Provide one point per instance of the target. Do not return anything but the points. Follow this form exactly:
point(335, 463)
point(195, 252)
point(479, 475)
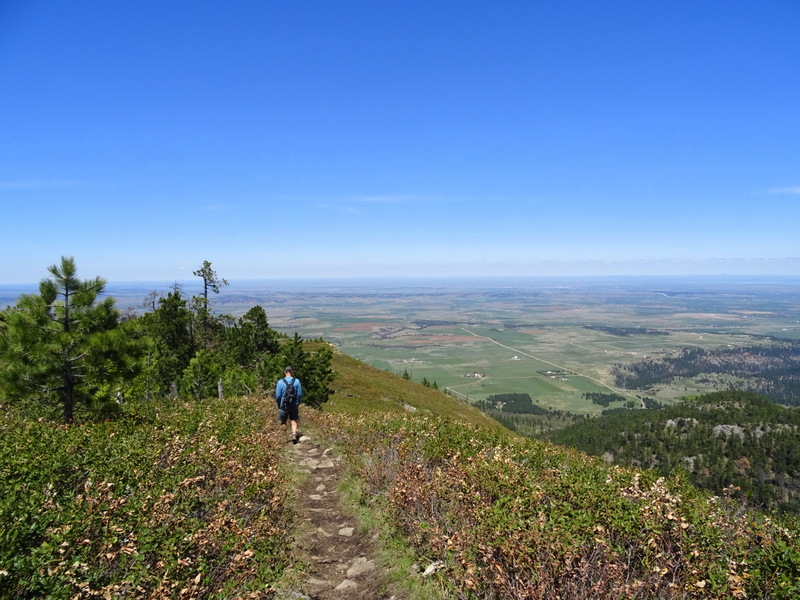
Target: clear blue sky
point(399, 137)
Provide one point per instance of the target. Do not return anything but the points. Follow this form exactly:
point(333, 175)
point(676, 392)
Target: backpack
point(289, 397)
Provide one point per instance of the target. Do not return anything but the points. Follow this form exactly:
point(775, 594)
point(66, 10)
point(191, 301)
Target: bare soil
point(341, 559)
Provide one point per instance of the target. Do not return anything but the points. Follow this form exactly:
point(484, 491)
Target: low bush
point(181, 500)
point(518, 519)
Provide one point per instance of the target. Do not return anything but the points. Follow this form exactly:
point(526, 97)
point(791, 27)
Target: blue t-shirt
point(280, 389)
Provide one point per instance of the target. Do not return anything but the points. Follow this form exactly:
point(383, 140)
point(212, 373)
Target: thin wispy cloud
point(345, 201)
point(38, 184)
point(350, 204)
point(390, 199)
point(785, 190)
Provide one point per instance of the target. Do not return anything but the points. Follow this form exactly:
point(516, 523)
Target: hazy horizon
point(580, 269)
point(9, 292)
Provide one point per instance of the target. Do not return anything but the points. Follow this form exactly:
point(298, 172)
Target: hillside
point(721, 440)
point(169, 500)
point(196, 499)
point(504, 517)
point(359, 388)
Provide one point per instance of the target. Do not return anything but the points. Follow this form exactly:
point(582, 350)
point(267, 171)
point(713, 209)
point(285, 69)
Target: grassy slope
point(360, 388)
point(559, 522)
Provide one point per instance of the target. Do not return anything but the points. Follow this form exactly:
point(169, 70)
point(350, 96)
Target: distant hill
point(722, 439)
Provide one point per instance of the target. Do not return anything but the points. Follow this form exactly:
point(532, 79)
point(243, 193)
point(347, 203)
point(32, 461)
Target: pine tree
point(64, 346)
point(173, 342)
point(210, 281)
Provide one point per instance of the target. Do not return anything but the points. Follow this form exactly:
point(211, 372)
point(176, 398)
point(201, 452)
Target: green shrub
point(174, 500)
point(524, 519)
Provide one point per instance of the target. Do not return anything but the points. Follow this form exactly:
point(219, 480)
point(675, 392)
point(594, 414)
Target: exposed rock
point(729, 430)
point(432, 568)
point(360, 566)
point(291, 595)
point(680, 422)
point(346, 585)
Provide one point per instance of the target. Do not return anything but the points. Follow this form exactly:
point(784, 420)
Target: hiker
point(287, 396)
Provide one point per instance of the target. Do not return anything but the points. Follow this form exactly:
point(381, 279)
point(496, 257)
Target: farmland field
point(554, 339)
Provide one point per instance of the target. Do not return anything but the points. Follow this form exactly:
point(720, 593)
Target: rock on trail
point(341, 559)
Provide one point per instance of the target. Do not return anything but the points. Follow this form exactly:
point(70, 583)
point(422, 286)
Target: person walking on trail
point(287, 396)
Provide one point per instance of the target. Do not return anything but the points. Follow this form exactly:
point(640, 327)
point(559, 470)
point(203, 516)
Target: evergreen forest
point(735, 442)
point(772, 370)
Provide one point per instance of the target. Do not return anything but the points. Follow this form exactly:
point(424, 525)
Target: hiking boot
point(296, 438)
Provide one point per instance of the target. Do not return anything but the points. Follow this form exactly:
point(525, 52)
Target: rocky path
point(341, 559)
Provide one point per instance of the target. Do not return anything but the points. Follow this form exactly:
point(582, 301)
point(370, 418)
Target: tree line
point(772, 371)
point(517, 412)
point(511, 403)
point(67, 351)
point(603, 399)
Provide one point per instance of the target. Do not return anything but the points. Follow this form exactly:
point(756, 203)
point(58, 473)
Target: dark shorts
point(292, 413)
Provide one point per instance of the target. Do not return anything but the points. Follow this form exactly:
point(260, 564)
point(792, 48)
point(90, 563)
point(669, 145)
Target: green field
point(510, 337)
point(496, 361)
point(446, 331)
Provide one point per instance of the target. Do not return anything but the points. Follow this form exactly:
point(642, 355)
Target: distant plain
point(554, 339)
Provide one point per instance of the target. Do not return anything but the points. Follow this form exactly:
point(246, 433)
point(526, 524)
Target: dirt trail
point(342, 561)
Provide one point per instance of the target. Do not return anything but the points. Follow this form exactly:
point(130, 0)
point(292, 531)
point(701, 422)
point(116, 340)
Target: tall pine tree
point(64, 345)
